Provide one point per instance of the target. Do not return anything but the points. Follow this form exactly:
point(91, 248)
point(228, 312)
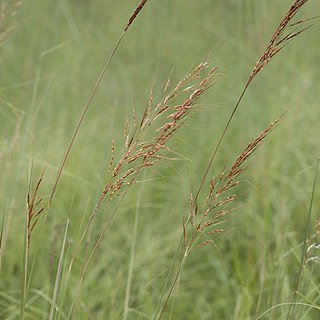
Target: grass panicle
point(146, 145)
point(135, 14)
point(35, 208)
point(220, 195)
point(286, 31)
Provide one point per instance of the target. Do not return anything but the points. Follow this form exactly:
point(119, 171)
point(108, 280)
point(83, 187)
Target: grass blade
point(59, 270)
point(291, 313)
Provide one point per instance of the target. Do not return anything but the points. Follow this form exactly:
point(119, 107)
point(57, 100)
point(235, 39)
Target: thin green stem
point(25, 257)
point(132, 252)
point(174, 283)
point(291, 313)
point(93, 92)
point(167, 279)
point(59, 270)
point(25, 271)
point(226, 127)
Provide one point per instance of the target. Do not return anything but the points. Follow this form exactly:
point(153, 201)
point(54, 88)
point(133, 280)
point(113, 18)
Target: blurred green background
point(48, 66)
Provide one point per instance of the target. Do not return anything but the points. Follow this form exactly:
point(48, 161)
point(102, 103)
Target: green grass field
point(49, 64)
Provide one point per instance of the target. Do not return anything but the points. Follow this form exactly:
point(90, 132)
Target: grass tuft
point(143, 261)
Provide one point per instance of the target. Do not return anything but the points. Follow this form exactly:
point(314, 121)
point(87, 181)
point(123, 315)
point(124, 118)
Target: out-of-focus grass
point(48, 67)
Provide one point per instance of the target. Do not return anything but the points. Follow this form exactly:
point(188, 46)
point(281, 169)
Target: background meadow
point(48, 66)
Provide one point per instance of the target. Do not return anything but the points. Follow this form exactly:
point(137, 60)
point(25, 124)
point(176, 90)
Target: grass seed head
point(218, 200)
point(278, 40)
point(146, 143)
